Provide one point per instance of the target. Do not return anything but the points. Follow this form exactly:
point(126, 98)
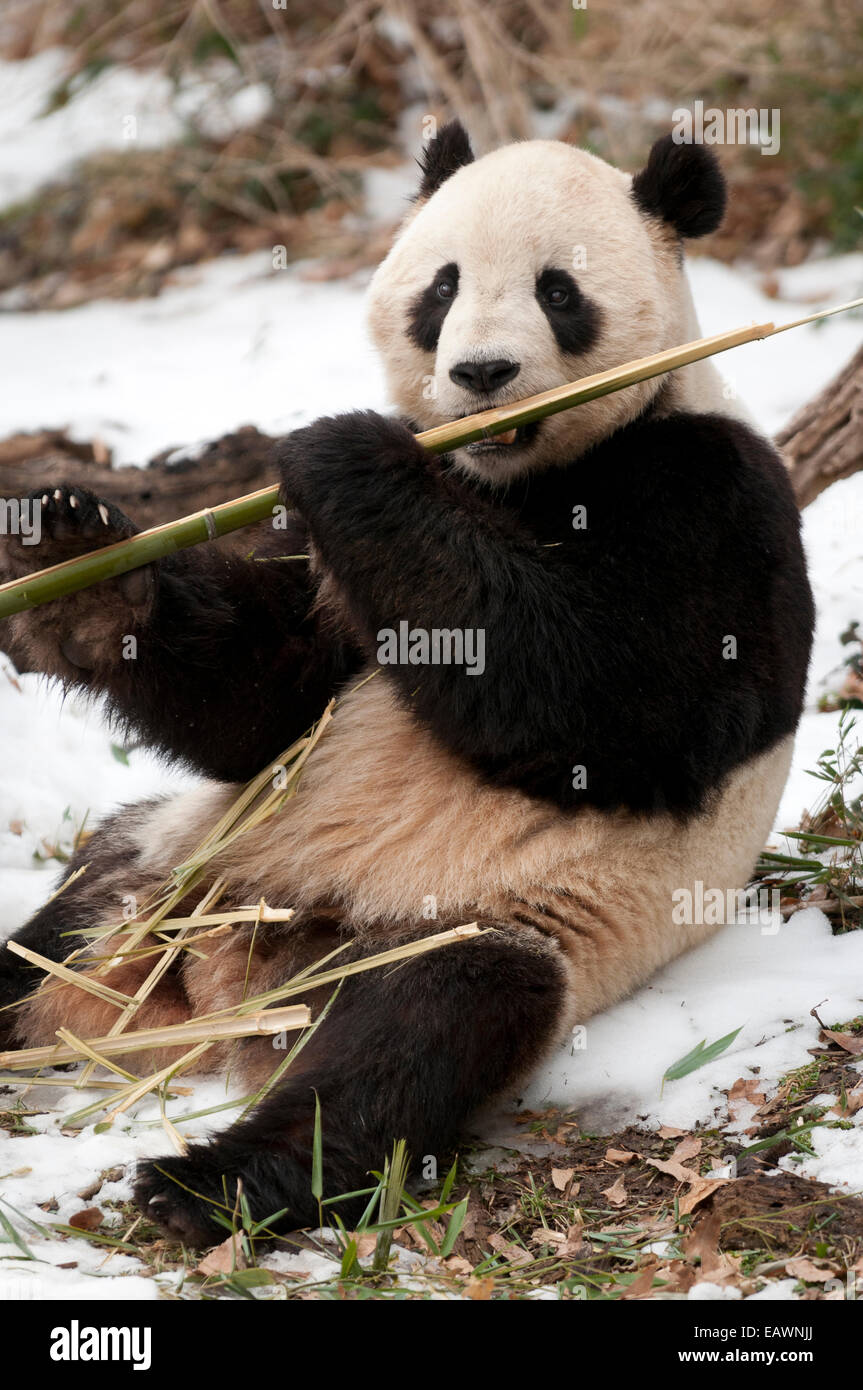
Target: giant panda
point(636, 571)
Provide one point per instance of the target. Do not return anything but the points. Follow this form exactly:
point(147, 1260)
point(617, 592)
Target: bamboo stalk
point(313, 979)
point(72, 1040)
point(266, 1021)
point(70, 977)
point(150, 1083)
point(149, 984)
point(111, 560)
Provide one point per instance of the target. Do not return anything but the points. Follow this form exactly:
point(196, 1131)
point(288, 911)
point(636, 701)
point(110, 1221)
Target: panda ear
point(684, 185)
point(443, 154)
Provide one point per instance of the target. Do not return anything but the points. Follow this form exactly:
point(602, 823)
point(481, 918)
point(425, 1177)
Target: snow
point(234, 343)
point(746, 977)
point(237, 342)
point(839, 1160)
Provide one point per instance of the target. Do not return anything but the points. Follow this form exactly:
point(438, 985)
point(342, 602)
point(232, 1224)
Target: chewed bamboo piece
point(111, 560)
point(264, 1021)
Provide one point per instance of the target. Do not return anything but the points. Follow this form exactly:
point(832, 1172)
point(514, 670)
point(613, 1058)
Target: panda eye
point(557, 297)
point(444, 290)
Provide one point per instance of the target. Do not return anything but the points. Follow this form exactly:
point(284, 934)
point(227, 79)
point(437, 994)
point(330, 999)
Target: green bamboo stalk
point(112, 560)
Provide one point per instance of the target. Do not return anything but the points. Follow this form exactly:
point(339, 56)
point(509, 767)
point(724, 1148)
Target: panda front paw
point(326, 463)
point(67, 521)
point(83, 630)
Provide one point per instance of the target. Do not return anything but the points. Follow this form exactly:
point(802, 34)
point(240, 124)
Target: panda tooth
point(508, 437)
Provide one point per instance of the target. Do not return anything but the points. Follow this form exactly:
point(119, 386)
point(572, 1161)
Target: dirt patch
point(787, 1213)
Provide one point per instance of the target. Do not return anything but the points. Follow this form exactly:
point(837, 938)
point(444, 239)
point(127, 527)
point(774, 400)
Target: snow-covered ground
point(235, 342)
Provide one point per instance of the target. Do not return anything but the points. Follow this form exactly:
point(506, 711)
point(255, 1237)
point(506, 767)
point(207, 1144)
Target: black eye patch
point(430, 308)
point(575, 320)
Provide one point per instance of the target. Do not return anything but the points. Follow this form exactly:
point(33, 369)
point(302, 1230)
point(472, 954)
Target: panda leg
point(406, 1052)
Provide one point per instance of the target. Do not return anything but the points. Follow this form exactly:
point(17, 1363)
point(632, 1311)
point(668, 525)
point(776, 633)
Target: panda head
point(532, 266)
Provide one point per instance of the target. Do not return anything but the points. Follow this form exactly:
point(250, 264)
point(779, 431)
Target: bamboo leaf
point(699, 1056)
point(317, 1154)
point(13, 1236)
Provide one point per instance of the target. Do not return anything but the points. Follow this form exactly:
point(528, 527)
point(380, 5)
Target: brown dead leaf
point(543, 1235)
point(678, 1276)
point(698, 1192)
point(674, 1169)
point(224, 1258)
point(644, 1282)
point(574, 1246)
point(669, 1132)
point(457, 1264)
point(17, 827)
point(853, 1101)
point(88, 1219)
point(616, 1195)
point(810, 1273)
point(619, 1156)
point(702, 1244)
point(562, 1177)
point(686, 1149)
point(479, 1289)
point(562, 1134)
point(366, 1243)
point(848, 1041)
point(744, 1092)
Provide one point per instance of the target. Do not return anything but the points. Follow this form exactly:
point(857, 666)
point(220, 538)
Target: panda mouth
point(516, 438)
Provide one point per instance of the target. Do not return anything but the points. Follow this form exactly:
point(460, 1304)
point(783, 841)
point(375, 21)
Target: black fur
point(604, 645)
point(232, 664)
point(448, 151)
point(406, 1053)
point(577, 323)
point(684, 185)
point(429, 310)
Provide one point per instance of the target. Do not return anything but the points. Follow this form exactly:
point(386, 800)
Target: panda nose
point(484, 376)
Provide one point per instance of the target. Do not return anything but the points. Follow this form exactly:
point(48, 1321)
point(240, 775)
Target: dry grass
point(343, 77)
point(158, 932)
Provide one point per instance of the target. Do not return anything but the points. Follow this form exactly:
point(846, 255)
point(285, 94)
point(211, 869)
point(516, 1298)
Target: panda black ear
point(445, 153)
point(684, 185)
